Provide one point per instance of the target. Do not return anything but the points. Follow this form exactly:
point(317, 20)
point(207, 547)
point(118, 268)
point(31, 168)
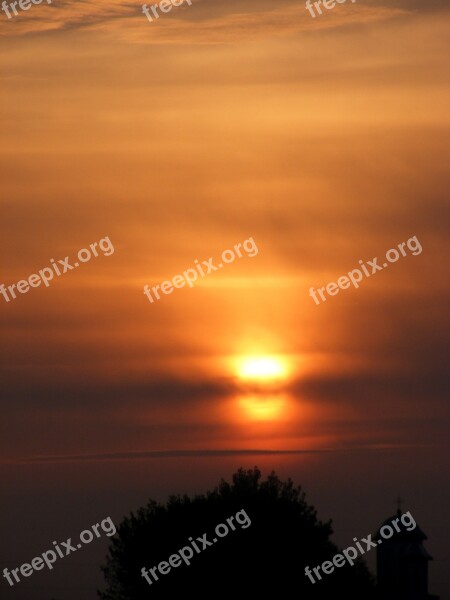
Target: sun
point(261, 368)
point(263, 378)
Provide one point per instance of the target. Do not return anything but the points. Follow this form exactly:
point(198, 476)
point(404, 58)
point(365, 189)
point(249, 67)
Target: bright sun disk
point(261, 368)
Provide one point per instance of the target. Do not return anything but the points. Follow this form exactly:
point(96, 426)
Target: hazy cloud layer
point(206, 21)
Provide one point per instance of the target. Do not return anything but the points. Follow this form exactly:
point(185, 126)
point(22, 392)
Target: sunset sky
point(326, 141)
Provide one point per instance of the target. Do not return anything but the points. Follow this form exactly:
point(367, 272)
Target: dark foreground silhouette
point(276, 535)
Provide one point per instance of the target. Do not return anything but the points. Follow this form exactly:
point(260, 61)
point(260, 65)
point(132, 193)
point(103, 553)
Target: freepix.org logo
point(186, 553)
point(46, 274)
point(350, 554)
point(164, 6)
point(23, 4)
point(328, 4)
point(60, 550)
point(356, 276)
point(206, 268)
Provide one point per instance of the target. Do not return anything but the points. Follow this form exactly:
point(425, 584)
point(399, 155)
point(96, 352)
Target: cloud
point(205, 22)
point(163, 454)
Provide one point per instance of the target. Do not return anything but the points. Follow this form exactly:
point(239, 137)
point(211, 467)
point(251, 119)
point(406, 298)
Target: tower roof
point(405, 535)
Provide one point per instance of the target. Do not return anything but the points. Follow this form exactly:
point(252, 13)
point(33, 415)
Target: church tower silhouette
point(402, 563)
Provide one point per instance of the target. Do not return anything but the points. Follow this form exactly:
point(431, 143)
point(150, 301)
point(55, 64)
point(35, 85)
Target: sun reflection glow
point(263, 408)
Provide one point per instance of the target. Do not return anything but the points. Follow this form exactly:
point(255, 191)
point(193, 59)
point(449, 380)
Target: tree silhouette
point(264, 559)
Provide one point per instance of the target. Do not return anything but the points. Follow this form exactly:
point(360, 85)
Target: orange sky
point(322, 140)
